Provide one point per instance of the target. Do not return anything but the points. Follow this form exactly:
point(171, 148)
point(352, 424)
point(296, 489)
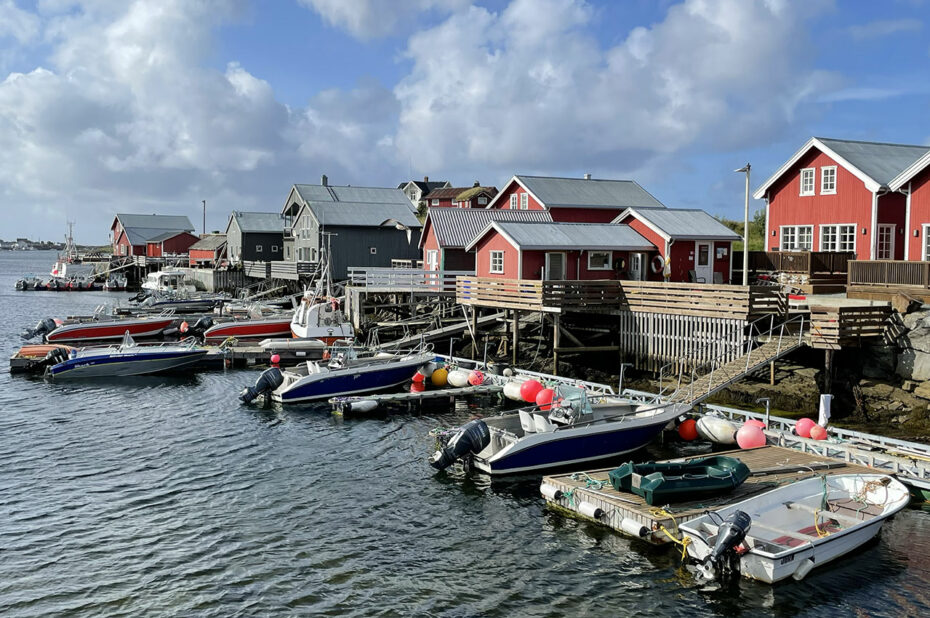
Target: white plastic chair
point(527, 422)
point(542, 424)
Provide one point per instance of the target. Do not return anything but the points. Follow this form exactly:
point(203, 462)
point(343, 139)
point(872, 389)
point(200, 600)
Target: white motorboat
point(321, 317)
point(793, 529)
point(125, 359)
point(169, 281)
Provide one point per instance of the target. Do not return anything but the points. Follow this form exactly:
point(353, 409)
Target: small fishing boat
point(347, 372)
point(665, 483)
point(116, 282)
point(169, 281)
point(788, 531)
point(33, 358)
point(29, 282)
point(125, 359)
point(577, 429)
point(81, 331)
point(198, 303)
point(320, 317)
point(250, 329)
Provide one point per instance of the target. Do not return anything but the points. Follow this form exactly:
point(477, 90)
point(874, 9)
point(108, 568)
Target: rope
point(588, 481)
point(683, 542)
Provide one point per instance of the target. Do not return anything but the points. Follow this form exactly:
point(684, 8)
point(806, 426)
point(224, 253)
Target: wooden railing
point(834, 327)
point(278, 270)
point(806, 262)
point(892, 273)
point(405, 279)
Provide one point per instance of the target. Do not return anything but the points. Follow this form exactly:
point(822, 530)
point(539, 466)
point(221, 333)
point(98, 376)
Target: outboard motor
point(267, 382)
point(140, 296)
point(198, 328)
point(44, 327)
point(54, 356)
point(471, 438)
point(724, 559)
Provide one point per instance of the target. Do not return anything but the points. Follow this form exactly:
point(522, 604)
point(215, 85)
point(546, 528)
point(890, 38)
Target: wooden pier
point(343, 404)
point(770, 466)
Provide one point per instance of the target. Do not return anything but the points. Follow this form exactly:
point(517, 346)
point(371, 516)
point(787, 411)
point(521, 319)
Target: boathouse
point(582, 200)
point(209, 251)
point(447, 231)
point(131, 233)
point(169, 243)
point(254, 236)
point(840, 195)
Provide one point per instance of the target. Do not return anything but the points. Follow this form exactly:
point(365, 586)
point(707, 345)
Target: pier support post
point(474, 332)
point(828, 372)
point(772, 373)
point(516, 337)
point(555, 344)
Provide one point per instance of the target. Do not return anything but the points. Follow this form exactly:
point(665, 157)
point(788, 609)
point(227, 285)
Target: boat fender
point(458, 377)
point(633, 527)
point(512, 390)
point(550, 492)
point(472, 437)
point(803, 569)
point(657, 264)
point(363, 405)
point(589, 510)
point(269, 380)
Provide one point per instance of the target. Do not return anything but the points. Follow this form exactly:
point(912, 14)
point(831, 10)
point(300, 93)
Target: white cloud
point(885, 27)
point(17, 23)
point(374, 18)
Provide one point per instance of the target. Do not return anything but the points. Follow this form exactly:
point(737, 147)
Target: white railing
point(406, 279)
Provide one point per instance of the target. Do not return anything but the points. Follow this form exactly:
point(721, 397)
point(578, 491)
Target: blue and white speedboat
point(125, 359)
point(578, 429)
point(348, 372)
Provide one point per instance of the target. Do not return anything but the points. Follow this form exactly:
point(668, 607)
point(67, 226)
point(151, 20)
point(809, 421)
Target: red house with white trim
point(582, 200)
point(132, 234)
point(842, 195)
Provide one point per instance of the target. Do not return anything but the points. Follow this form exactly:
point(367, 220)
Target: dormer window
point(482, 201)
point(828, 180)
point(524, 201)
point(807, 181)
point(513, 202)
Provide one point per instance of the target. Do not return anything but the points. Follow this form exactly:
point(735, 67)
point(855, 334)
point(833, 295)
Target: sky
point(151, 106)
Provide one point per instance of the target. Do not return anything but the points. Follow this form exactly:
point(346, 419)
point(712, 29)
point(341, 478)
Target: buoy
point(750, 436)
point(633, 527)
point(275, 359)
point(716, 429)
point(756, 422)
point(529, 390)
point(818, 433)
point(417, 387)
point(475, 378)
point(418, 378)
point(363, 405)
point(803, 427)
point(440, 377)
point(512, 390)
point(184, 326)
point(544, 398)
point(589, 510)
point(551, 492)
point(458, 377)
point(687, 430)
point(508, 372)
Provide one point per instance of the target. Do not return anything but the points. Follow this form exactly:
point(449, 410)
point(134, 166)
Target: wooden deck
point(885, 279)
point(771, 466)
point(832, 328)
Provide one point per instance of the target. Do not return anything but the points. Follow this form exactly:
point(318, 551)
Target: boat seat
point(526, 422)
point(542, 424)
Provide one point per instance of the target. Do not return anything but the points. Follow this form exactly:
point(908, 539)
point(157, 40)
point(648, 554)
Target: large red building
point(841, 195)
point(160, 234)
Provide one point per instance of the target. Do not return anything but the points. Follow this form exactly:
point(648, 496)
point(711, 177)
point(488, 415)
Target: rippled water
point(165, 496)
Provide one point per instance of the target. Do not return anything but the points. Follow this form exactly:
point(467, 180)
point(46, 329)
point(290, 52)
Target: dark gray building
point(255, 236)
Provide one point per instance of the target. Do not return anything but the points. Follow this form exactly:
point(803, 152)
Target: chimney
point(426, 179)
point(324, 180)
point(477, 184)
point(587, 176)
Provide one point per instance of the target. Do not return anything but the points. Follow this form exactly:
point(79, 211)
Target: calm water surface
point(165, 496)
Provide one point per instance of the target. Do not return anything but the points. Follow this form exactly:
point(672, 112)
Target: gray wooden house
point(364, 226)
point(255, 236)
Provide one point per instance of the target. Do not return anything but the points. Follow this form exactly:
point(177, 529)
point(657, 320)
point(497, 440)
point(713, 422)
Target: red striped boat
point(109, 329)
point(264, 328)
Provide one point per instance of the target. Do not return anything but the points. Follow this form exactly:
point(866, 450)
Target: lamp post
point(746, 169)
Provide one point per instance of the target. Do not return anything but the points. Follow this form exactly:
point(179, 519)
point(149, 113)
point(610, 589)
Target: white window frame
point(274, 248)
point(878, 239)
point(434, 201)
point(610, 260)
point(432, 259)
point(513, 202)
point(823, 180)
point(373, 250)
point(524, 201)
point(813, 184)
point(926, 236)
point(795, 233)
point(496, 256)
point(482, 201)
point(258, 248)
point(839, 237)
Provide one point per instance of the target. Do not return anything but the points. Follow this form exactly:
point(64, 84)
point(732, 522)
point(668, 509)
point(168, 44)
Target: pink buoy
point(544, 398)
point(529, 390)
point(755, 423)
point(417, 387)
point(688, 430)
point(475, 378)
point(818, 432)
point(275, 359)
point(803, 427)
point(183, 328)
point(418, 378)
point(750, 436)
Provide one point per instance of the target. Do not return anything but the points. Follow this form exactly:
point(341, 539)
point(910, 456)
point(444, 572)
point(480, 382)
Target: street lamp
point(746, 169)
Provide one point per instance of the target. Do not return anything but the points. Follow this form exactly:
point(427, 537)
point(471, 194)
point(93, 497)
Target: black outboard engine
point(140, 296)
point(54, 356)
point(724, 559)
point(44, 327)
point(472, 437)
point(267, 382)
point(198, 328)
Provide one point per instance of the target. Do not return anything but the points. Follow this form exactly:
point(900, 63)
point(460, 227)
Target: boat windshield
point(575, 398)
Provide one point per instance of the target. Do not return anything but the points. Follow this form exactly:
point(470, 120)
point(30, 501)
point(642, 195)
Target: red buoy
point(529, 390)
point(544, 398)
point(688, 430)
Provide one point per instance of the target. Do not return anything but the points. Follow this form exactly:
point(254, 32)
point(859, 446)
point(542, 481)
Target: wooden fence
point(405, 279)
point(885, 279)
point(804, 262)
point(278, 269)
point(834, 327)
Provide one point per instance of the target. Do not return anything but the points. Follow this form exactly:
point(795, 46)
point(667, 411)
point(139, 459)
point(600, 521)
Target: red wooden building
point(475, 196)
point(842, 195)
point(131, 234)
point(209, 251)
point(170, 243)
point(914, 182)
point(583, 200)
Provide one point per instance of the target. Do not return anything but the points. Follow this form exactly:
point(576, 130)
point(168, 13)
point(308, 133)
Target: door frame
point(546, 276)
point(710, 260)
point(878, 235)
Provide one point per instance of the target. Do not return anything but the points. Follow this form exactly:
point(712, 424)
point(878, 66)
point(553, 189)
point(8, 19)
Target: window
point(432, 259)
point(926, 252)
point(828, 180)
point(797, 237)
point(599, 260)
point(497, 262)
point(524, 201)
point(287, 253)
point(258, 248)
point(434, 201)
point(373, 250)
point(838, 237)
point(513, 202)
point(274, 248)
point(807, 181)
point(313, 254)
point(482, 201)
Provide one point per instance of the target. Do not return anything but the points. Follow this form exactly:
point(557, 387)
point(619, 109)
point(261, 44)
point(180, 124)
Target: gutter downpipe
point(907, 224)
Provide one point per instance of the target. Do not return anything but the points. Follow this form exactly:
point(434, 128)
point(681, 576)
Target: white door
point(555, 266)
point(885, 248)
point(432, 259)
point(637, 263)
point(703, 264)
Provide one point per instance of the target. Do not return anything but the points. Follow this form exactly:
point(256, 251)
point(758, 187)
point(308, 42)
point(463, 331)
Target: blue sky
point(151, 106)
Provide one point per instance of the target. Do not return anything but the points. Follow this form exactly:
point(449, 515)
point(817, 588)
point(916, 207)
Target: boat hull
point(317, 387)
point(115, 365)
point(114, 329)
point(249, 329)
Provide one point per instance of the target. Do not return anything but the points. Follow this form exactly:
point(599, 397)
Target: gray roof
point(363, 214)
point(591, 193)
point(211, 242)
point(140, 236)
point(166, 235)
point(574, 236)
point(329, 193)
point(881, 162)
point(262, 222)
point(141, 229)
point(457, 227)
point(681, 223)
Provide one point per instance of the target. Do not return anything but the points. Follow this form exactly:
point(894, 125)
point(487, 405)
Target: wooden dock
point(770, 466)
point(343, 404)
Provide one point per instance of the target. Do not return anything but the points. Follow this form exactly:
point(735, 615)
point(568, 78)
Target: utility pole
point(204, 217)
point(746, 169)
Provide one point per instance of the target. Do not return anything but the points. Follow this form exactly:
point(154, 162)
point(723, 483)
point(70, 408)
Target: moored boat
point(125, 359)
point(98, 330)
point(31, 358)
point(664, 483)
point(262, 328)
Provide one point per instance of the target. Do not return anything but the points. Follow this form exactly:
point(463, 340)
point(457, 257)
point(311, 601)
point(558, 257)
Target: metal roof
point(588, 193)
point(211, 242)
point(140, 236)
point(881, 162)
point(262, 222)
point(681, 223)
point(315, 193)
point(161, 222)
point(573, 236)
point(457, 227)
point(364, 214)
point(166, 236)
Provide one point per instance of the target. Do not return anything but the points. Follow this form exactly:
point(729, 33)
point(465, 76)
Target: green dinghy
point(665, 483)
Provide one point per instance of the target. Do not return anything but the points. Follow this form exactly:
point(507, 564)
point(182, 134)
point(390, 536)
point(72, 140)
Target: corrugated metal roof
point(574, 236)
point(380, 195)
point(140, 236)
point(681, 223)
point(314, 193)
point(592, 193)
point(881, 162)
point(259, 221)
point(211, 242)
point(456, 227)
point(161, 222)
point(364, 213)
point(166, 236)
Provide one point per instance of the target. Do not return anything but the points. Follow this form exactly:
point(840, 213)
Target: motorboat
point(125, 359)
point(321, 317)
point(100, 328)
point(348, 371)
point(29, 282)
point(33, 358)
point(180, 303)
point(250, 329)
point(116, 282)
point(786, 532)
point(680, 481)
point(576, 428)
point(169, 281)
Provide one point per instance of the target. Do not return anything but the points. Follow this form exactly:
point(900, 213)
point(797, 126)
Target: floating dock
point(350, 404)
point(589, 495)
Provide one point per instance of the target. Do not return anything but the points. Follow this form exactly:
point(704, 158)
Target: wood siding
point(351, 246)
point(920, 214)
point(494, 241)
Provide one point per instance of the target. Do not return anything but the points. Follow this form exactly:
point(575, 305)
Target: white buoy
point(589, 510)
point(458, 377)
point(363, 405)
point(512, 390)
point(633, 527)
point(716, 429)
point(550, 492)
